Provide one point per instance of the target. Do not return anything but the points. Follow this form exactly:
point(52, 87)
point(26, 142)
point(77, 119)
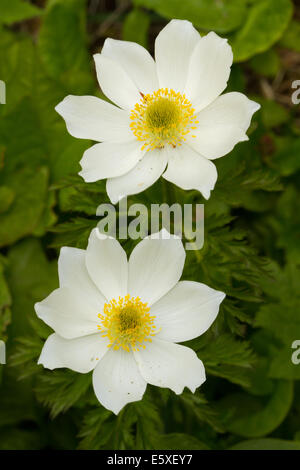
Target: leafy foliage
point(17, 10)
point(263, 27)
point(251, 248)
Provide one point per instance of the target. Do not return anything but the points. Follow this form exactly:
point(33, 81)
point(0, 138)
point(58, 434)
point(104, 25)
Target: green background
point(251, 399)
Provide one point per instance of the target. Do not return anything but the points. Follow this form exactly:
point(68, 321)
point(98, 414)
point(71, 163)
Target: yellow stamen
point(162, 118)
point(126, 322)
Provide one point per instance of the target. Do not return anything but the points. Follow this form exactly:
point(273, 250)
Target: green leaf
point(278, 316)
point(286, 160)
point(30, 188)
point(5, 302)
point(199, 407)
point(148, 419)
point(281, 366)
point(98, 428)
point(218, 15)
point(266, 64)
point(61, 389)
point(266, 444)
point(17, 10)
point(263, 27)
point(224, 349)
point(290, 39)
point(177, 441)
point(241, 176)
point(18, 439)
point(251, 417)
point(62, 44)
point(5, 297)
point(225, 357)
point(7, 196)
point(284, 223)
point(273, 114)
point(136, 26)
point(12, 409)
point(26, 353)
point(73, 233)
point(31, 277)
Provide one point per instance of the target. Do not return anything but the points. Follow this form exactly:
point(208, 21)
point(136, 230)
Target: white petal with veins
point(135, 60)
point(116, 83)
point(170, 365)
point(174, 46)
point(209, 70)
point(88, 117)
point(117, 380)
point(79, 354)
point(106, 262)
point(108, 159)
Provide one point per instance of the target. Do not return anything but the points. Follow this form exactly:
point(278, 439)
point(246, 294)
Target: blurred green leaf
point(5, 302)
point(263, 27)
point(62, 44)
point(287, 160)
point(7, 196)
point(281, 366)
point(136, 27)
point(218, 15)
point(266, 64)
point(17, 10)
point(17, 439)
point(31, 277)
point(178, 441)
point(278, 316)
point(266, 444)
point(249, 416)
point(291, 37)
point(12, 409)
point(285, 224)
point(273, 114)
point(30, 187)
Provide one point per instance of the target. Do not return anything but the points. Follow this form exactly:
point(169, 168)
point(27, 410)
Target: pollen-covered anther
point(127, 323)
point(162, 118)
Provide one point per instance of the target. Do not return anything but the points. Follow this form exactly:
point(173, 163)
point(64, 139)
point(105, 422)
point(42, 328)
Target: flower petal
point(173, 49)
point(69, 313)
point(209, 70)
point(222, 125)
point(106, 262)
point(189, 170)
point(187, 311)
point(170, 365)
point(88, 117)
point(233, 109)
point(73, 274)
point(79, 354)
point(155, 266)
point(135, 60)
point(108, 159)
point(143, 175)
point(116, 83)
point(117, 380)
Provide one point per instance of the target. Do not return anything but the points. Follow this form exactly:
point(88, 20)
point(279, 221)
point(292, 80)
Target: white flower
point(123, 319)
point(169, 113)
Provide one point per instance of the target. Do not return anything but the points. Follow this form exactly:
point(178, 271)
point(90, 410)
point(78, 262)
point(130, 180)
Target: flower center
point(126, 322)
point(164, 117)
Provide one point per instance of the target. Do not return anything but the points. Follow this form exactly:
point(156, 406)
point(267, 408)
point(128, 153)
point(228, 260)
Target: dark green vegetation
point(251, 399)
